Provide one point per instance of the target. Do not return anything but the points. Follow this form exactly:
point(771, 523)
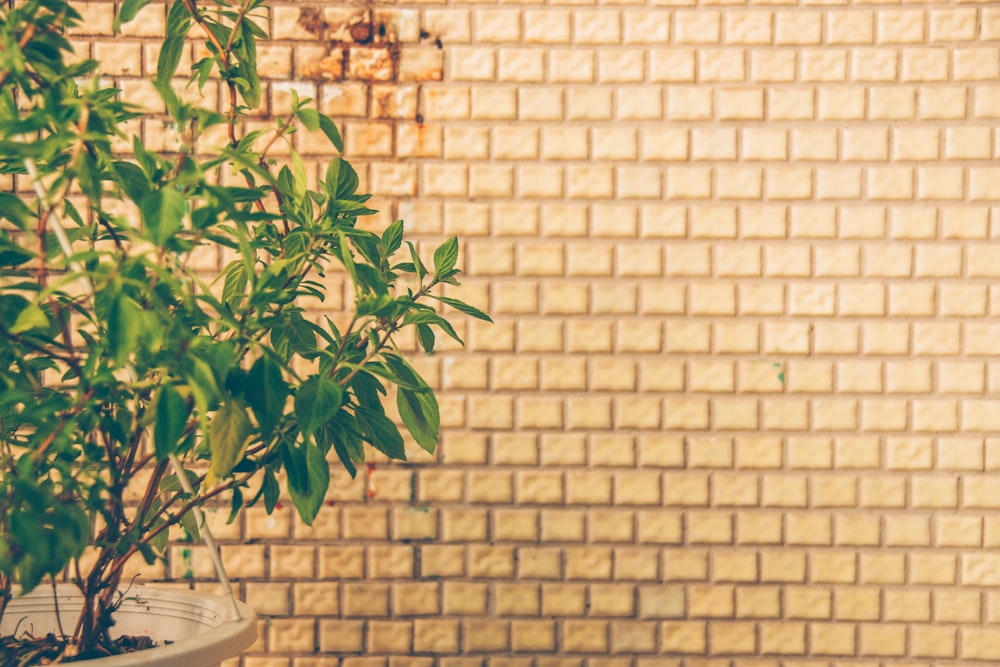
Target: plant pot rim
point(209, 634)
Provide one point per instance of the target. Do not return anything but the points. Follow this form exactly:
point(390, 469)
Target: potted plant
point(138, 380)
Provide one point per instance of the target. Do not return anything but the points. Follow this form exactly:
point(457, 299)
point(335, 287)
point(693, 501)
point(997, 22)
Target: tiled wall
point(738, 404)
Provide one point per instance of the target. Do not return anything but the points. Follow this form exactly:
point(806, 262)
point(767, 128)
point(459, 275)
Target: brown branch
point(343, 339)
point(389, 328)
point(225, 63)
point(112, 461)
point(244, 7)
point(192, 7)
point(371, 355)
point(133, 445)
point(48, 204)
point(280, 132)
point(152, 490)
point(176, 518)
point(36, 455)
point(106, 224)
point(67, 358)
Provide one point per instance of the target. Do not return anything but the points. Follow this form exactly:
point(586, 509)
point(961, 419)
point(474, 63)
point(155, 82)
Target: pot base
point(199, 625)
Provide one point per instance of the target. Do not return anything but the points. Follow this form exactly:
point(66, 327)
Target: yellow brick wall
point(738, 405)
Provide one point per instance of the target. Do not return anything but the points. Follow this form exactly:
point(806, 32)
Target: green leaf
point(221, 357)
point(171, 50)
point(172, 47)
point(203, 386)
point(236, 506)
point(132, 179)
point(48, 533)
point(203, 69)
point(368, 245)
point(13, 255)
point(266, 393)
point(429, 317)
point(247, 54)
point(349, 206)
point(347, 183)
point(172, 413)
point(11, 306)
point(146, 160)
point(257, 31)
point(124, 319)
point(367, 389)
point(128, 11)
point(301, 335)
point(371, 279)
point(190, 525)
point(463, 307)
point(316, 403)
point(15, 210)
point(228, 435)
point(163, 213)
point(392, 239)
point(160, 540)
point(420, 414)
point(88, 175)
point(426, 337)
point(235, 286)
point(449, 278)
point(309, 118)
point(418, 266)
point(389, 373)
point(348, 444)
point(72, 527)
point(329, 128)
point(308, 479)
point(279, 343)
point(380, 432)
point(446, 256)
point(178, 18)
point(286, 182)
point(270, 490)
point(28, 535)
point(346, 258)
point(71, 212)
point(31, 317)
point(29, 571)
point(332, 178)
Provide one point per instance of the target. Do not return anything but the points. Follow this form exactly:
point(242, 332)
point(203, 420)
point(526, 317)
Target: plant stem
point(225, 63)
point(67, 417)
point(389, 329)
point(152, 489)
point(55, 598)
point(192, 7)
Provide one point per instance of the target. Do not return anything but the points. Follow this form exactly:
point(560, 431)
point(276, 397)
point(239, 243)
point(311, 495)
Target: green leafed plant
point(124, 371)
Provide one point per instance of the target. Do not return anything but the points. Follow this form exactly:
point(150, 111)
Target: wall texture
point(738, 404)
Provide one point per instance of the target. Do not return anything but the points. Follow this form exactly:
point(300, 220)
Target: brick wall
point(737, 406)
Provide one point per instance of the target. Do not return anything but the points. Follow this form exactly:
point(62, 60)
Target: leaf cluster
point(123, 367)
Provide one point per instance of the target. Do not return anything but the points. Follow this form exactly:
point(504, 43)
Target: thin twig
point(55, 599)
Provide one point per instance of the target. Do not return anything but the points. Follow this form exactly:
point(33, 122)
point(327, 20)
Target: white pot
point(199, 625)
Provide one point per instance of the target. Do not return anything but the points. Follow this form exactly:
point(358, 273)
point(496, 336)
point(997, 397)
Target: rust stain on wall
point(386, 50)
point(366, 46)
